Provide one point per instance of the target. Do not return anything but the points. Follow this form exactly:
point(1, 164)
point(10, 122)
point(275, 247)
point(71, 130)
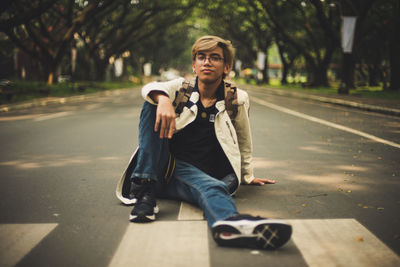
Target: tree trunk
point(265, 71)
point(347, 75)
point(373, 73)
point(285, 71)
point(100, 69)
point(317, 74)
point(285, 64)
point(320, 77)
point(394, 52)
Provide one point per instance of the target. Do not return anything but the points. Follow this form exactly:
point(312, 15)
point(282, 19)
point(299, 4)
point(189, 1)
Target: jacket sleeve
point(242, 127)
point(168, 88)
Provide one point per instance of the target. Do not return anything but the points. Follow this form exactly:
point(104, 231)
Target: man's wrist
point(155, 95)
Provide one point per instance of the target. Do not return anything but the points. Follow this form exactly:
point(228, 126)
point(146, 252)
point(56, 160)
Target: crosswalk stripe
point(164, 243)
point(322, 242)
point(18, 239)
point(188, 212)
point(340, 242)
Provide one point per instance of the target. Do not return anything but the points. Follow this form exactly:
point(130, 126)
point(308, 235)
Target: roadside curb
point(40, 102)
point(330, 100)
point(79, 98)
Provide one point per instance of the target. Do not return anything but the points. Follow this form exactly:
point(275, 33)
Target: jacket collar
point(195, 97)
point(220, 90)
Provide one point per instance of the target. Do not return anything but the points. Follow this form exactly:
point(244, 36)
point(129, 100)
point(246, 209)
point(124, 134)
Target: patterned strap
point(231, 102)
point(183, 96)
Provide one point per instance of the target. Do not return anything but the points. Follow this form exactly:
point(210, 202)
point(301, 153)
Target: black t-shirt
point(197, 143)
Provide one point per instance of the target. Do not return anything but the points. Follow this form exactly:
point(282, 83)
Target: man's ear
point(193, 67)
point(227, 69)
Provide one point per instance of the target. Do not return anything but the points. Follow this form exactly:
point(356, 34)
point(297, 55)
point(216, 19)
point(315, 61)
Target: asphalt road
point(335, 167)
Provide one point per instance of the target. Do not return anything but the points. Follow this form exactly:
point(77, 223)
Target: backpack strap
point(231, 102)
point(183, 96)
point(184, 93)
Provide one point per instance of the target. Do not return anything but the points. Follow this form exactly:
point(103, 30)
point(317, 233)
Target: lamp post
point(348, 26)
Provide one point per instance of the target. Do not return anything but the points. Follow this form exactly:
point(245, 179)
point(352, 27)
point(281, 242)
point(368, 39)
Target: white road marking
point(340, 242)
point(322, 242)
point(324, 122)
point(164, 243)
point(17, 240)
point(53, 116)
point(188, 212)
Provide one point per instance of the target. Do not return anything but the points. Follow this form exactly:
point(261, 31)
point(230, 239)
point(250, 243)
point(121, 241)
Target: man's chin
point(210, 80)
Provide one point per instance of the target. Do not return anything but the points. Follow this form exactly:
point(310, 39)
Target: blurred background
point(56, 47)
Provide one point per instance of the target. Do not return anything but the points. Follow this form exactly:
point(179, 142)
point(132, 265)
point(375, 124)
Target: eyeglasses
point(213, 59)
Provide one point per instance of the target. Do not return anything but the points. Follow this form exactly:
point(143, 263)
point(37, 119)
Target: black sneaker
point(134, 191)
point(251, 232)
point(146, 206)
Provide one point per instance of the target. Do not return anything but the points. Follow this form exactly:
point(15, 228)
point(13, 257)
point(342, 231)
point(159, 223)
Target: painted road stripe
point(17, 240)
point(328, 242)
point(53, 116)
point(164, 243)
point(188, 212)
point(340, 242)
point(324, 122)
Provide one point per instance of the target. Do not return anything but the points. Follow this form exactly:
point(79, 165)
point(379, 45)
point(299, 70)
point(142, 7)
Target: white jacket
point(234, 138)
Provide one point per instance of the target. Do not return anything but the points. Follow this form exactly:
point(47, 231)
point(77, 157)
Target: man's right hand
point(165, 115)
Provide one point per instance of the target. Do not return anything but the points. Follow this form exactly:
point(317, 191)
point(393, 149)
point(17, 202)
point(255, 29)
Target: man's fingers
point(171, 129)
point(167, 126)
point(258, 181)
point(163, 127)
point(157, 124)
point(165, 120)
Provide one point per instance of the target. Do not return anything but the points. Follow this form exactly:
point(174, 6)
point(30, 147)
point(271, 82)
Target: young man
point(212, 152)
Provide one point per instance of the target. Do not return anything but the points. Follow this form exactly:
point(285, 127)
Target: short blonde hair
point(209, 42)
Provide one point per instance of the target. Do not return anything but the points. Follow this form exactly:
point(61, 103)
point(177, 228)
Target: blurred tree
point(241, 23)
point(287, 53)
point(128, 28)
point(311, 29)
point(14, 13)
point(47, 34)
point(172, 53)
point(394, 52)
point(362, 10)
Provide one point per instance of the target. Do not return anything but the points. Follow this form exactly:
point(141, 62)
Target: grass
point(27, 90)
point(19, 91)
point(362, 91)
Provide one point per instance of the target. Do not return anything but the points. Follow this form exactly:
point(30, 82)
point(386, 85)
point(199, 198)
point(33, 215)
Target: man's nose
point(207, 61)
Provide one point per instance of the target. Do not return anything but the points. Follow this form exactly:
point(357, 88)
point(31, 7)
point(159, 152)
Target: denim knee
point(217, 185)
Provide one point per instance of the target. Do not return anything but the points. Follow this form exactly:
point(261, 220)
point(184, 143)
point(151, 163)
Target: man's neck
point(208, 90)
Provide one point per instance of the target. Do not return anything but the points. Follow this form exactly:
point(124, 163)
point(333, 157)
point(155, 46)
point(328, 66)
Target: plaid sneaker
point(251, 232)
point(145, 207)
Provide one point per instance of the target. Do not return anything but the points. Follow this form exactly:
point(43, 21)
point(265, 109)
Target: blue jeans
point(188, 183)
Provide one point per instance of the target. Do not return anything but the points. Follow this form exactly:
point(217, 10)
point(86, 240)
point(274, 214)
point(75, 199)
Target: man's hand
point(261, 181)
point(165, 115)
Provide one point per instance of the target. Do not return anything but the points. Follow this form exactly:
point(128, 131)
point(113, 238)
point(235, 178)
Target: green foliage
point(26, 90)
point(306, 32)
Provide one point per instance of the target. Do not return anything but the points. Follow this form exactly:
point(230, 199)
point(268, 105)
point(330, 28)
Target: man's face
point(210, 65)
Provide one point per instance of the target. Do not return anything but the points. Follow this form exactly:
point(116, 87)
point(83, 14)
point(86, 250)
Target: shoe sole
point(266, 234)
point(144, 217)
point(129, 202)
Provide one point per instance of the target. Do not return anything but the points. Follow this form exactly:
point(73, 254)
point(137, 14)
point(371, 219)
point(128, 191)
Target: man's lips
point(207, 70)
